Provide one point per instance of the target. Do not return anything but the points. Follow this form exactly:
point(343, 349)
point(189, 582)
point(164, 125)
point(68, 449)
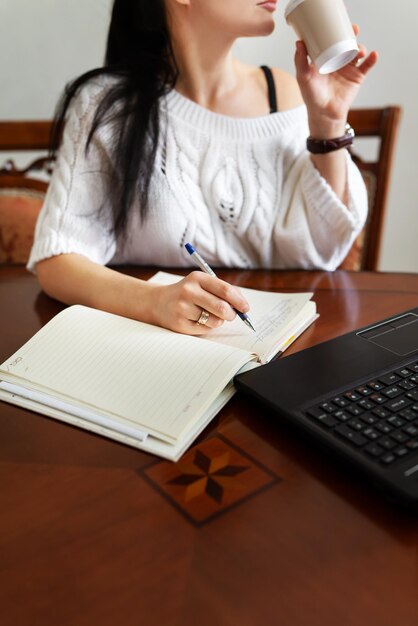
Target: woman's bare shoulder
point(287, 90)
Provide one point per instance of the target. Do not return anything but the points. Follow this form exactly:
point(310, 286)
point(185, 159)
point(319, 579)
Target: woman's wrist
point(143, 301)
point(327, 129)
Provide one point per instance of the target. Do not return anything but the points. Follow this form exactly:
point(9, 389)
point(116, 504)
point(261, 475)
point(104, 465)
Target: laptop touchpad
point(399, 335)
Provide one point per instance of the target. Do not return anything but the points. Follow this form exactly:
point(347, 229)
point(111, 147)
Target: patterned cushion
point(19, 209)
point(352, 261)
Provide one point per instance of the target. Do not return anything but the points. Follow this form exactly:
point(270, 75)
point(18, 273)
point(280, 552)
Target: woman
point(176, 141)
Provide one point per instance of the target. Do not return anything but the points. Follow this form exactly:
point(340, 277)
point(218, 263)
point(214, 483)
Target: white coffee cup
point(326, 30)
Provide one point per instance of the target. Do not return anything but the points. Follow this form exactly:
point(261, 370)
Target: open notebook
point(143, 385)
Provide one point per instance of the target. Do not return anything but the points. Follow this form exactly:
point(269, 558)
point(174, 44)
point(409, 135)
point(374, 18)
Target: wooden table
point(252, 527)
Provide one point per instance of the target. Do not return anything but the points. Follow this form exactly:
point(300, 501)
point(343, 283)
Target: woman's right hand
point(179, 306)
point(74, 279)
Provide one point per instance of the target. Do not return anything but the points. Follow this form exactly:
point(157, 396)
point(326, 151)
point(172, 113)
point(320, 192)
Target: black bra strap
point(271, 88)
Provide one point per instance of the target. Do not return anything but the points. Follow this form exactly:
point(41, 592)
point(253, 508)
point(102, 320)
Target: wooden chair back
point(22, 189)
point(382, 124)
point(28, 136)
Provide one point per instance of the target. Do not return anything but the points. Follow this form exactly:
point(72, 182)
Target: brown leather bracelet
point(322, 146)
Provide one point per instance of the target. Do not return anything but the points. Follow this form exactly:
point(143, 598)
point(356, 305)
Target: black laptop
point(358, 395)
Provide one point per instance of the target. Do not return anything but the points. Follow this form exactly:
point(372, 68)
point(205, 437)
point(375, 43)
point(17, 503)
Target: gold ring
point(203, 318)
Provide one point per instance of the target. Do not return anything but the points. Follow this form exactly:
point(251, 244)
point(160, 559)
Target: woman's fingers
point(368, 63)
point(216, 296)
point(220, 298)
point(362, 51)
point(303, 67)
point(203, 322)
point(203, 303)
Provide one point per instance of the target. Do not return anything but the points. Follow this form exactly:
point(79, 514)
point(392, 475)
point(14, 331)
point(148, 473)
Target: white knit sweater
point(243, 191)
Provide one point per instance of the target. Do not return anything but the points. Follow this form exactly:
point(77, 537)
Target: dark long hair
point(139, 54)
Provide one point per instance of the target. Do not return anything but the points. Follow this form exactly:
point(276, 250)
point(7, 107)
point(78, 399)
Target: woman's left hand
point(328, 97)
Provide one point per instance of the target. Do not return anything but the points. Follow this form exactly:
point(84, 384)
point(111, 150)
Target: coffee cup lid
point(291, 6)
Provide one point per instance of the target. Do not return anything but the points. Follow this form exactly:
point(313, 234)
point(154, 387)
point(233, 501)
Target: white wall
point(45, 43)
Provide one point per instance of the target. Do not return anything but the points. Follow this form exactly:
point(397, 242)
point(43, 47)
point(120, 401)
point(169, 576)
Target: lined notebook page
point(149, 376)
point(273, 315)
point(274, 318)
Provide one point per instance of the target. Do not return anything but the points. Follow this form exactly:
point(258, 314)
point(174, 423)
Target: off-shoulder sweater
point(243, 191)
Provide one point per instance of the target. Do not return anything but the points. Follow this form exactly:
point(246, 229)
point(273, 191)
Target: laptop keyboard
point(378, 417)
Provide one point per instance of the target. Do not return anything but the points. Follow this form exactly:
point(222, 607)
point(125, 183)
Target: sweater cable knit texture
point(244, 191)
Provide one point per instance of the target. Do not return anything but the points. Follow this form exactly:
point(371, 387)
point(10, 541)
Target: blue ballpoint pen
point(200, 262)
